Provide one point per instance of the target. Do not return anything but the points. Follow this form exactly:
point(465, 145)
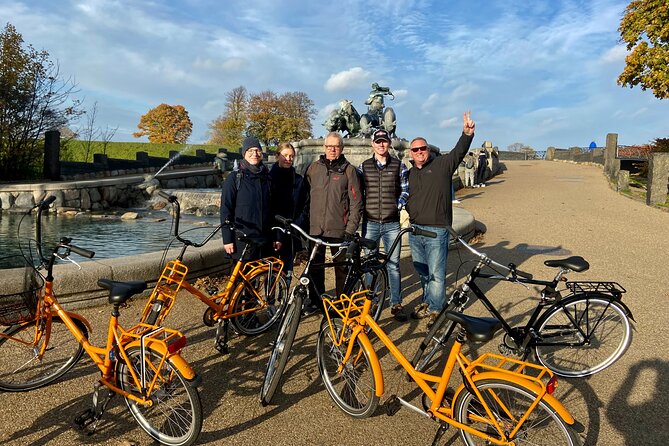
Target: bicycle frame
point(527, 375)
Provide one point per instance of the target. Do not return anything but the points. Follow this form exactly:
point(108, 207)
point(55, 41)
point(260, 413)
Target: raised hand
point(468, 125)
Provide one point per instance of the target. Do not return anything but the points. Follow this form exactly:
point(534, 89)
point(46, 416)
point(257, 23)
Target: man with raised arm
point(430, 208)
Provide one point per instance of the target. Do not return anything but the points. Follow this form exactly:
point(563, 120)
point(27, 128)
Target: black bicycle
point(575, 335)
point(365, 272)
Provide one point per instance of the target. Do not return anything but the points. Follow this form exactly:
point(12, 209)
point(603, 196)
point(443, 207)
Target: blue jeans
point(387, 232)
point(429, 259)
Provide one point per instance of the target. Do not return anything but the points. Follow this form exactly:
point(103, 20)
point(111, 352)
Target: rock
point(158, 205)
point(24, 200)
point(6, 200)
point(85, 199)
point(130, 216)
point(94, 194)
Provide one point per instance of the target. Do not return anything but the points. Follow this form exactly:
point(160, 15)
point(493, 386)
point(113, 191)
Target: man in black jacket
point(430, 208)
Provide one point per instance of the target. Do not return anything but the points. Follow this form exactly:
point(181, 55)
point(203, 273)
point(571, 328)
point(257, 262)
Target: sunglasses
point(419, 149)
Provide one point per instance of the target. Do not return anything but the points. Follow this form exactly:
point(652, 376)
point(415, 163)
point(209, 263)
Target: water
point(171, 160)
point(108, 238)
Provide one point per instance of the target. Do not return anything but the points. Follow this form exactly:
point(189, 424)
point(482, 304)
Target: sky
point(541, 73)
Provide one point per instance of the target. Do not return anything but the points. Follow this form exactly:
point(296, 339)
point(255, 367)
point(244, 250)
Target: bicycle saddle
point(574, 263)
point(479, 329)
point(120, 292)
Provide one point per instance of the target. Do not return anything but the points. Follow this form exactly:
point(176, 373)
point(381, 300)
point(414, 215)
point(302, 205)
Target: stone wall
point(99, 194)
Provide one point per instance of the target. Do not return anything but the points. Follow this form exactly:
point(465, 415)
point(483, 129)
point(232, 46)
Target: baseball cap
point(381, 135)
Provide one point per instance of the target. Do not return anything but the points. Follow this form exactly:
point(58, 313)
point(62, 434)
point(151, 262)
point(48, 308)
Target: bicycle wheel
point(377, 282)
point(256, 322)
point(282, 345)
point(19, 367)
point(175, 418)
point(508, 402)
point(435, 341)
point(583, 336)
point(354, 389)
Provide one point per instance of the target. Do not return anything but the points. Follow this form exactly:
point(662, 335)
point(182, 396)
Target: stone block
point(85, 199)
point(24, 200)
point(6, 200)
point(623, 180)
point(94, 194)
point(658, 178)
point(71, 194)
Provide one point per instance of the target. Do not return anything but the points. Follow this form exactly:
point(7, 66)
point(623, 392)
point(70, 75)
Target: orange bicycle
point(253, 299)
point(501, 400)
point(143, 364)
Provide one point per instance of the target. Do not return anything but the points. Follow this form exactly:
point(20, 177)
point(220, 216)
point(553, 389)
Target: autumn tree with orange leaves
point(165, 124)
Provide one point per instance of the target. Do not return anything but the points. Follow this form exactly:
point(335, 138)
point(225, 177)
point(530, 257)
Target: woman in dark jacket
point(245, 200)
point(289, 197)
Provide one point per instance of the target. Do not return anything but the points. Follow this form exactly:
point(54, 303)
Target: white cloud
point(614, 55)
point(430, 102)
point(400, 93)
point(449, 123)
point(347, 79)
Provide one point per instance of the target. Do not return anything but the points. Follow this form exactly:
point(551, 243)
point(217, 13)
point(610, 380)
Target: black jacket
point(245, 202)
point(288, 196)
point(430, 198)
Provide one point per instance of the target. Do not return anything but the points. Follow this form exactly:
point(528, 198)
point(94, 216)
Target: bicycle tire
point(175, 418)
point(379, 290)
point(260, 321)
point(20, 371)
point(544, 426)
point(353, 390)
point(435, 340)
point(282, 345)
point(606, 341)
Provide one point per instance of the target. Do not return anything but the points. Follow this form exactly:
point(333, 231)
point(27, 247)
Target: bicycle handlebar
point(290, 225)
point(424, 232)
point(511, 268)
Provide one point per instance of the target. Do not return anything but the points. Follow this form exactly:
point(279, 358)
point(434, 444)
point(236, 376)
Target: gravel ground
point(536, 210)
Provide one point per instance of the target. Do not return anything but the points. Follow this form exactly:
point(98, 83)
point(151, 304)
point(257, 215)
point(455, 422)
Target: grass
point(75, 150)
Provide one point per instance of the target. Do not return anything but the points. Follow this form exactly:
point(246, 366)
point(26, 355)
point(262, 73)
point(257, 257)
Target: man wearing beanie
point(245, 200)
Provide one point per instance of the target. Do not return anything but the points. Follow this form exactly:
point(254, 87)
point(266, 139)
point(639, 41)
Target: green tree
point(645, 30)
point(264, 117)
point(165, 124)
point(228, 129)
point(274, 118)
point(298, 111)
point(33, 99)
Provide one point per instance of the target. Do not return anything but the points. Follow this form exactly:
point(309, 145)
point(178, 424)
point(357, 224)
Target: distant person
point(386, 192)
point(482, 168)
point(219, 162)
point(429, 207)
point(470, 164)
point(245, 200)
point(288, 199)
point(335, 209)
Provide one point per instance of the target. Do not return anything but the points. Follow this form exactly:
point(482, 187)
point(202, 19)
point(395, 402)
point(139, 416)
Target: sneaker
point(420, 311)
point(456, 201)
point(398, 313)
point(482, 184)
point(431, 318)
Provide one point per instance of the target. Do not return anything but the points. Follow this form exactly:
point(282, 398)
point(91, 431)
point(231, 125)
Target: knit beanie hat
point(250, 142)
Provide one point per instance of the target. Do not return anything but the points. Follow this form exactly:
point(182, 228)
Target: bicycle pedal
point(392, 405)
point(85, 418)
point(222, 348)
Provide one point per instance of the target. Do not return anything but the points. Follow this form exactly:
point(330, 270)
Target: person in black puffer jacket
point(288, 199)
point(245, 201)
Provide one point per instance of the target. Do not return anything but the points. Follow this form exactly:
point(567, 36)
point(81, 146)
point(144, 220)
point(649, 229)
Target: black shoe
point(398, 313)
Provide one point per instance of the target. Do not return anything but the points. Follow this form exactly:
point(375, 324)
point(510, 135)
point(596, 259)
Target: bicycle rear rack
point(521, 369)
point(170, 281)
point(613, 288)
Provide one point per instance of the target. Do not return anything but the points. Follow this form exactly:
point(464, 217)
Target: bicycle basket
point(20, 304)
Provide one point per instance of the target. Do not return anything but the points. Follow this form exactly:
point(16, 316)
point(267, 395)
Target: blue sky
point(542, 73)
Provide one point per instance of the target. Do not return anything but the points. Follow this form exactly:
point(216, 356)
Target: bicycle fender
point(529, 385)
point(374, 359)
point(580, 296)
point(80, 318)
point(175, 359)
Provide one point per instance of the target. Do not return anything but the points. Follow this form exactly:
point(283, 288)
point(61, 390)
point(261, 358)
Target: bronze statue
point(346, 118)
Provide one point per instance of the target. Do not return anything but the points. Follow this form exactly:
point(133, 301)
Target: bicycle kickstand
point(222, 344)
point(443, 427)
point(88, 419)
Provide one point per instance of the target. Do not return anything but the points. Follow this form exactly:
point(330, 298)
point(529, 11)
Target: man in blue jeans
point(430, 207)
point(386, 192)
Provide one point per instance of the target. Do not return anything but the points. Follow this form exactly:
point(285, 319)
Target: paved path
point(534, 211)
